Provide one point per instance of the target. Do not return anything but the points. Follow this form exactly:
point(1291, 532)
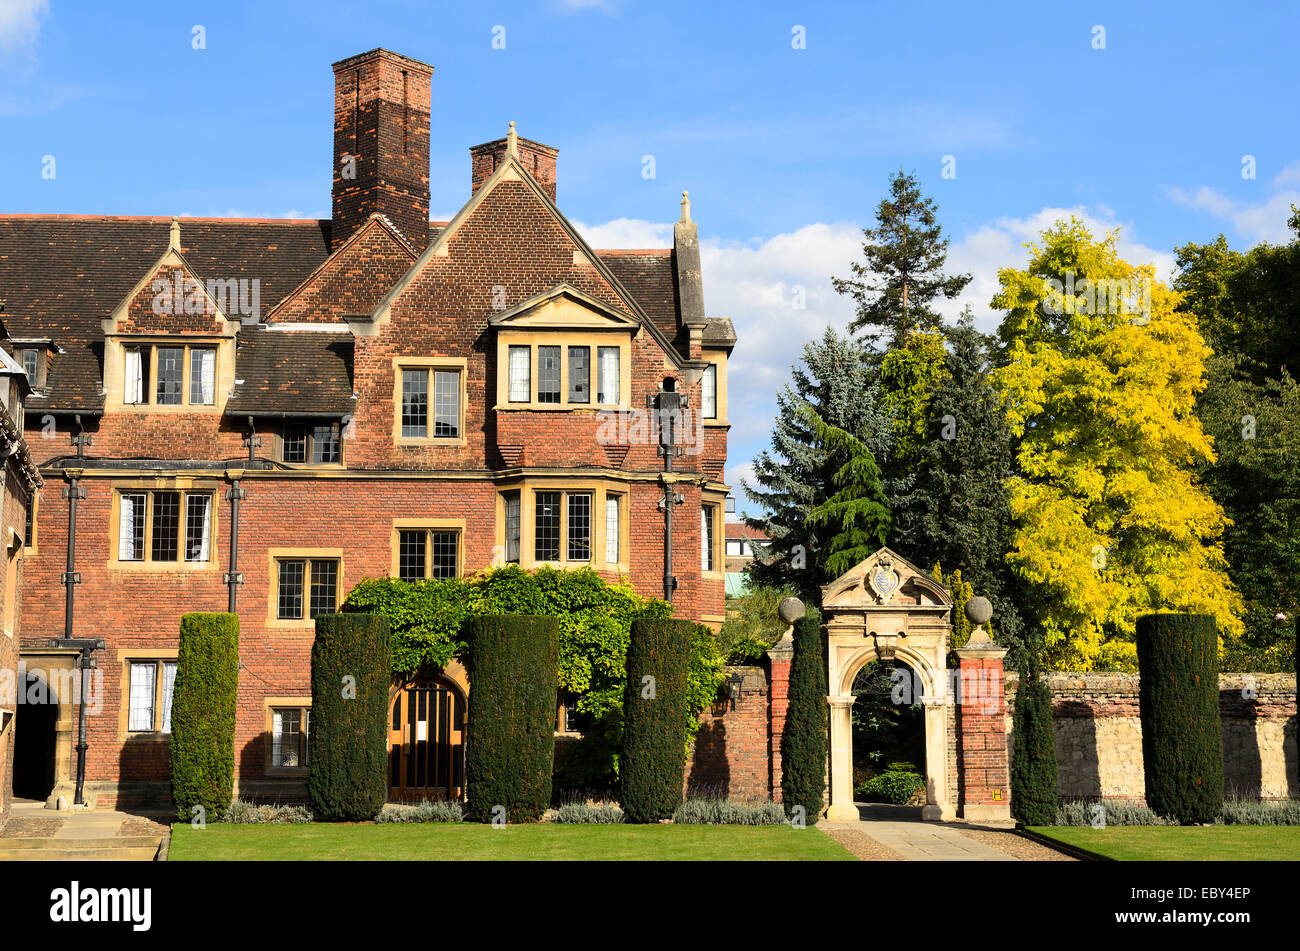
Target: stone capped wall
point(1099, 734)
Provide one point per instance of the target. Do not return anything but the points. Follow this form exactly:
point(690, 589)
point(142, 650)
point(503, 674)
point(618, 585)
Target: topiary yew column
point(510, 733)
point(348, 753)
point(1178, 693)
point(803, 742)
point(202, 745)
point(1033, 765)
point(653, 763)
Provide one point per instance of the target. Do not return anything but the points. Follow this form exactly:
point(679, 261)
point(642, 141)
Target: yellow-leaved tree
point(1098, 376)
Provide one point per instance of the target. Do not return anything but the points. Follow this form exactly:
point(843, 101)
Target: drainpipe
point(71, 578)
point(234, 496)
point(233, 577)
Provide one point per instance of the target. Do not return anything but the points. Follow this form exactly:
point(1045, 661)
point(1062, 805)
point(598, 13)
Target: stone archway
point(887, 609)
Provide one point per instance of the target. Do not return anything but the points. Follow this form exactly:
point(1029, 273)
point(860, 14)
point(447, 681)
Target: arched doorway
point(886, 610)
point(426, 741)
point(888, 734)
point(34, 739)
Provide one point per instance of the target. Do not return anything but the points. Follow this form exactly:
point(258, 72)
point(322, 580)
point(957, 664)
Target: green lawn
point(1183, 843)
point(445, 841)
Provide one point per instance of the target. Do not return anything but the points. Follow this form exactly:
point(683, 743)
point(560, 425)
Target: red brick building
point(262, 412)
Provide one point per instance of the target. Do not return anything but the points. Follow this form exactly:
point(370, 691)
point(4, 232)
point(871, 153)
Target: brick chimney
point(381, 144)
point(537, 159)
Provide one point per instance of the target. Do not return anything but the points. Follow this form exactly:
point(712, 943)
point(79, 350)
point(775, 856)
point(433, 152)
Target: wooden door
point(426, 743)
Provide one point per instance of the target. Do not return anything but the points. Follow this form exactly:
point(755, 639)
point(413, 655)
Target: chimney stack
point(381, 144)
point(537, 159)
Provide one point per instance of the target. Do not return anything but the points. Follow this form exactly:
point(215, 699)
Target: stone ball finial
point(791, 610)
point(978, 610)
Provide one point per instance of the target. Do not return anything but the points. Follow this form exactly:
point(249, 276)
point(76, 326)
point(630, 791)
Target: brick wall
point(730, 756)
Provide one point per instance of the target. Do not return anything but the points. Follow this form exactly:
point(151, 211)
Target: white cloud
point(627, 233)
point(1258, 221)
point(20, 22)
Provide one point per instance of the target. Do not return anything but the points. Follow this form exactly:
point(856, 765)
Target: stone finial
point(174, 238)
point(789, 611)
point(978, 612)
point(512, 140)
point(686, 206)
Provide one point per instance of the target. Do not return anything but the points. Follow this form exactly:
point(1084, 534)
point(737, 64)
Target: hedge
point(348, 753)
point(510, 734)
point(653, 763)
point(1033, 761)
point(1178, 693)
point(202, 745)
point(803, 744)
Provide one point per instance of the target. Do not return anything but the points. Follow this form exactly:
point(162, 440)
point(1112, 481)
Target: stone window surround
point(457, 525)
point(276, 555)
point(459, 365)
point(599, 491)
point(185, 487)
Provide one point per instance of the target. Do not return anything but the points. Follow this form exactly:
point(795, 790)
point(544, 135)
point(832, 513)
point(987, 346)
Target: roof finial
point(512, 140)
point(686, 206)
point(174, 239)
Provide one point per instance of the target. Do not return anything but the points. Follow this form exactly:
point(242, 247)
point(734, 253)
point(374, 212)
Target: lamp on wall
point(734, 684)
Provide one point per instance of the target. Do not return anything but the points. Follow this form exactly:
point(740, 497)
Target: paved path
point(924, 841)
point(897, 833)
point(34, 833)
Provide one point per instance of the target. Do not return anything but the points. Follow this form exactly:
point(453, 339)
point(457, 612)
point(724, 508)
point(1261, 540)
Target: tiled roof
point(292, 373)
point(741, 530)
point(60, 275)
point(649, 277)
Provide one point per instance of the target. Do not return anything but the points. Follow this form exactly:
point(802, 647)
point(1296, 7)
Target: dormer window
point(30, 360)
point(165, 375)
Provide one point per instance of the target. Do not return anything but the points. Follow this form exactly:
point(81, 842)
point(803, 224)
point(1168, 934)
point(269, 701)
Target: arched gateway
point(888, 609)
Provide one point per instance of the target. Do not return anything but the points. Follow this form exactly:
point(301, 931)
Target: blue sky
point(785, 151)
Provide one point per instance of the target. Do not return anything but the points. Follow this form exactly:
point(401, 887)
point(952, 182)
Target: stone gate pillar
point(779, 658)
point(981, 725)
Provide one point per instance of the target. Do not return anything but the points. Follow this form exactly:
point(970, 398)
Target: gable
point(509, 239)
point(350, 281)
point(172, 299)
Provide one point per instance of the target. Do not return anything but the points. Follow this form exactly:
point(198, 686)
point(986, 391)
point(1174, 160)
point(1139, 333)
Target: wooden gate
point(426, 743)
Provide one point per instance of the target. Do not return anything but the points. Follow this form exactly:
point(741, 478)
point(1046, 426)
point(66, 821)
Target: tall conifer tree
point(902, 273)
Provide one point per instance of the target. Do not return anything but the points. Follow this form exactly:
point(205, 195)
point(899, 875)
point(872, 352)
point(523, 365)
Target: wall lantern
point(734, 683)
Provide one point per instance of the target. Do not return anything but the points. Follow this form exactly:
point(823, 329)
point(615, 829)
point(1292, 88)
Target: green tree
point(902, 274)
point(792, 478)
point(803, 744)
point(201, 750)
point(350, 679)
point(1033, 761)
point(1256, 478)
point(958, 510)
point(510, 731)
point(652, 768)
point(1178, 700)
point(752, 624)
point(854, 521)
point(1247, 303)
